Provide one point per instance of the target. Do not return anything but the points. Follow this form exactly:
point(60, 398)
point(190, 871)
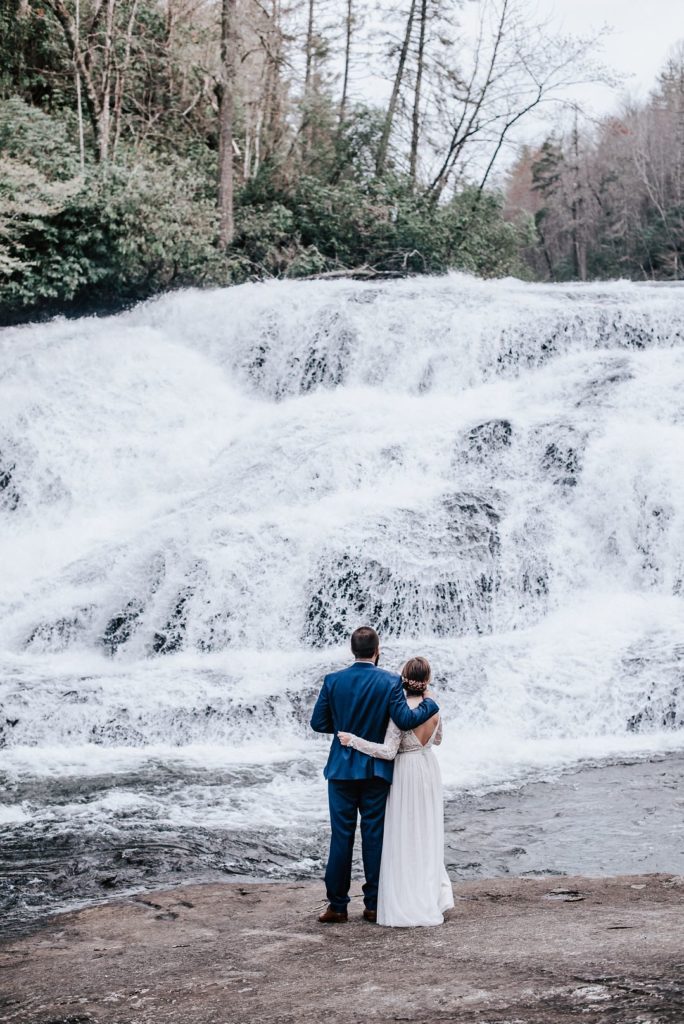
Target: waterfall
point(202, 497)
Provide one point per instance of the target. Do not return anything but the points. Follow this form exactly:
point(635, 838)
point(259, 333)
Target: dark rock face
point(659, 711)
point(323, 363)
point(7, 724)
point(352, 588)
point(472, 524)
point(9, 493)
point(216, 631)
point(562, 462)
point(173, 635)
point(170, 638)
point(561, 453)
point(605, 329)
point(62, 632)
point(347, 588)
point(121, 626)
point(328, 359)
point(158, 619)
point(141, 613)
point(491, 436)
point(661, 706)
point(652, 540)
point(610, 373)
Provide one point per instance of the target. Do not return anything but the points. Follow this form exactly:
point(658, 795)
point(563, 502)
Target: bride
point(414, 886)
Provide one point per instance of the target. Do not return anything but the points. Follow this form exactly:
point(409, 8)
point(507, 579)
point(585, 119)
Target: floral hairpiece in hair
point(413, 684)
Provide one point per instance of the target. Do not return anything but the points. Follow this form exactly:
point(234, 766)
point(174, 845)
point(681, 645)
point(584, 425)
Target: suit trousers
point(347, 798)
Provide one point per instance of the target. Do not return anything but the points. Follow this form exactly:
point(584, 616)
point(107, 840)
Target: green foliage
point(385, 224)
point(123, 236)
point(388, 225)
point(33, 60)
point(34, 138)
point(107, 236)
point(110, 236)
point(608, 202)
point(481, 240)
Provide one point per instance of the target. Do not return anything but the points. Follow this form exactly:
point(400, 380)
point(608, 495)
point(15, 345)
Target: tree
point(99, 42)
point(608, 198)
point(383, 148)
point(226, 98)
point(348, 30)
point(420, 68)
point(513, 66)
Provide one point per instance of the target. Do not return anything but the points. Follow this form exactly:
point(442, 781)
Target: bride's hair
point(415, 676)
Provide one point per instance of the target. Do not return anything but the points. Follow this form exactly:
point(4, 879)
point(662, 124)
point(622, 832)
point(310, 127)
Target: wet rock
point(535, 832)
point(232, 953)
point(121, 626)
point(62, 632)
point(9, 493)
point(117, 729)
point(457, 546)
point(323, 362)
point(472, 524)
point(565, 895)
point(491, 436)
point(328, 359)
point(108, 881)
point(661, 703)
point(563, 461)
point(659, 711)
point(562, 452)
point(171, 637)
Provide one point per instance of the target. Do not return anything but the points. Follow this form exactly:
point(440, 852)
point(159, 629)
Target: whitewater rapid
point(201, 498)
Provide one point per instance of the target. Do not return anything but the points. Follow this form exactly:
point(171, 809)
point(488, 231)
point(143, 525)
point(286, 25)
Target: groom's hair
point(364, 642)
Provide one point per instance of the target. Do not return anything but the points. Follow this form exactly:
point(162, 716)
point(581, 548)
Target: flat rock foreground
point(513, 951)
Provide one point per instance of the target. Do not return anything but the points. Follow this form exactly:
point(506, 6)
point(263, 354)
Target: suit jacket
point(362, 699)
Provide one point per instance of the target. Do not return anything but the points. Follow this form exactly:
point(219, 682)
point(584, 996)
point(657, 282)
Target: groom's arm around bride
point(360, 699)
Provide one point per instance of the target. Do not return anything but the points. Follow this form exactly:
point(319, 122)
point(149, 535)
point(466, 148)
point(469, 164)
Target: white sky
point(641, 35)
point(643, 32)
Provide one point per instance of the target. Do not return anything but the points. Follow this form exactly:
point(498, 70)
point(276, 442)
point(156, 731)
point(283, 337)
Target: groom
point(359, 699)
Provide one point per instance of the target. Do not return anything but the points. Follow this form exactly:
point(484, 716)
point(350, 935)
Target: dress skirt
point(414, 886)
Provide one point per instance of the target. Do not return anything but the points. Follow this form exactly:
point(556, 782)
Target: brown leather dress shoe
point(331, 916)
point(370, 915)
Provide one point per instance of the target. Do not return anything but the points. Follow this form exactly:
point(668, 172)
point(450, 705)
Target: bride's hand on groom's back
point(344, 738)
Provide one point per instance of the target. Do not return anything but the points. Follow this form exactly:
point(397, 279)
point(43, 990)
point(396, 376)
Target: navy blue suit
point(360, 699)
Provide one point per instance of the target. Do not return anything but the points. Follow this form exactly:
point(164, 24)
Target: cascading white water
point(200, 499)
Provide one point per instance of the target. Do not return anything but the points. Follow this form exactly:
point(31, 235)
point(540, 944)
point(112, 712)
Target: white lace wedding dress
point(414, 886)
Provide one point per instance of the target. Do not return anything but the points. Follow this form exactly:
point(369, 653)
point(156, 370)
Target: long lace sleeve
point(387, 750)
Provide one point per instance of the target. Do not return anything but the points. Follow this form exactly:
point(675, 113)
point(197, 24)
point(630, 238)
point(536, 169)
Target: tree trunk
point(81, 60)
point(381, 159)
point(474, 101)
point(576, 208)
point(106, 94)
point(273, 119)
point(121, 75)
point(347, 57)
point(307, 126)
point(309, 47)
point(415, 128)
point(79, 100)
point(226, 98)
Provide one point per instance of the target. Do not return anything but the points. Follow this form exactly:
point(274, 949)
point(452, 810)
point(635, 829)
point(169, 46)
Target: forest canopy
point(152, 144)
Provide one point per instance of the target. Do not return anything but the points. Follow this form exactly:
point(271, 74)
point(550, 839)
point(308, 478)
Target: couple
point(378, 717)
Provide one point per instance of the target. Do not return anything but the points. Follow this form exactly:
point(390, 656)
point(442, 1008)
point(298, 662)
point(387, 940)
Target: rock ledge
point(513, 951)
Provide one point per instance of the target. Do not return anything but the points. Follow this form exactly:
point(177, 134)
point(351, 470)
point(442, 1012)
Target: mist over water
point(201, 498)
